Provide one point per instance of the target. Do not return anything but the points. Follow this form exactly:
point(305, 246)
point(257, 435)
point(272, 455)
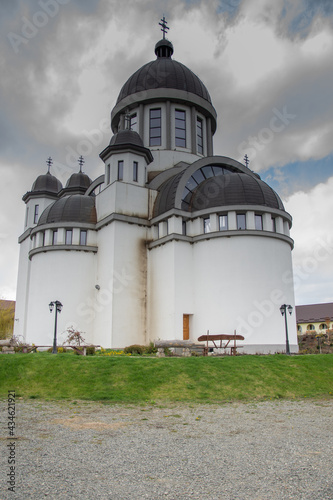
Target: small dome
point(72, 208)
point(124, 137)
point(46, 183)
point(164, 48)
point(78, 180)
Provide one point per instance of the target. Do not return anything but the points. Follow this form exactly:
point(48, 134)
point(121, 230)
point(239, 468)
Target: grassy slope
point(123, 379)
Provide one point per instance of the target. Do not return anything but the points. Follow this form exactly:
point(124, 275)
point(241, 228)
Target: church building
point(169, 242)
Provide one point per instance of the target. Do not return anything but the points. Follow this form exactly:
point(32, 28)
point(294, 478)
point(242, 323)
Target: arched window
point(310, 327)
point(323, 326)
point(299, 328)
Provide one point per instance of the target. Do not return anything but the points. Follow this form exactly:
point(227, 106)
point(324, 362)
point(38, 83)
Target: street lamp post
point(58, 307)
point(283, 311)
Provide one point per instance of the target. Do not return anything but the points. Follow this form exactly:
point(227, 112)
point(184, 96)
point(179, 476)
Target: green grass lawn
point(142, 379)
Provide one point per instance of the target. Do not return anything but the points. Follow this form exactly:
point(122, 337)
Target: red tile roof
point(314, 312)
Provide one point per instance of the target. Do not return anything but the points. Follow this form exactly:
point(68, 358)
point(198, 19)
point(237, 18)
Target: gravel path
point(269, 450)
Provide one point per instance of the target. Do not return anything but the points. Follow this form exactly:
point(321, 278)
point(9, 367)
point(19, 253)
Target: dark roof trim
point(124, 148)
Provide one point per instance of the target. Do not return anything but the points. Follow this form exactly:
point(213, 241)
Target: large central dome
point(162, 80)
point(164, 73)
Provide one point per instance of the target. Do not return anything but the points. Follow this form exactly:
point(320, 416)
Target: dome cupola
point(78, 182)
point(45, 185)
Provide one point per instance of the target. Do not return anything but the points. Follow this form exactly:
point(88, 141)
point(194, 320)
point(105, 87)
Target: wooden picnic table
point(222, 337)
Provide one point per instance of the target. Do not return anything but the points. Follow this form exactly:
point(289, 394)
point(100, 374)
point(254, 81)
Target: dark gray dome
point(78, 180)
point(164, 73)
point(125, 137)
point(215, 186)
point(72, 208)
point(233, 189)
point(46, 183)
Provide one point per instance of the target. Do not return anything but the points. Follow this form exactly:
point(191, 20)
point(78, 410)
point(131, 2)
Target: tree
point(6, 323)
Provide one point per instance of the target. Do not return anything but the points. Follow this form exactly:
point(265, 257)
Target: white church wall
point(169, 289)
point(122, 277)
point(122, 198)
point(240, 283)
point(22, 289)
point(70, 279)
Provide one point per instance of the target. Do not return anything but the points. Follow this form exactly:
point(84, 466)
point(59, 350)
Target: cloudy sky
point(268, 67)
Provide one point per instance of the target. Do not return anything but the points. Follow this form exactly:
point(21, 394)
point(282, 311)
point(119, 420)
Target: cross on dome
point(164, 26)
point(81, 162)
point(49, 162)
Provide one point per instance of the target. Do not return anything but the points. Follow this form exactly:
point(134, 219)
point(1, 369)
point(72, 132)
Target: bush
point(90, 351)
point(59, 349)
point(134, 349)
point(150, 349)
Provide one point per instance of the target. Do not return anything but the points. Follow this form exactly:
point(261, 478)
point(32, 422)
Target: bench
point(222, 337)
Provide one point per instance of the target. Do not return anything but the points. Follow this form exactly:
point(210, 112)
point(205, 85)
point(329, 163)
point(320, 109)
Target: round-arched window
point(323, 326)
point(310, 327)
point(299, 328)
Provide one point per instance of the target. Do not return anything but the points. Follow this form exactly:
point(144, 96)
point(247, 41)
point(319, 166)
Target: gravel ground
point(85, 450)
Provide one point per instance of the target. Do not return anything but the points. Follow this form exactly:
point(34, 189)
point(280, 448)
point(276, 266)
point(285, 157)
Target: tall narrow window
point(273, 225)
point(199, 136)
point(69, 236)
point(135, 171)
point(155, 127)
point(43, 238)
point(26, 217)
point(184, 230)
point(83, 237)
point(207, 225)
point(36, 214)
point(108, 173)
point(120, 170)
point(223, 222)
point(134, 122)
point(55, 237)
point(180, 128)
point(258, 222)
point(241, 221)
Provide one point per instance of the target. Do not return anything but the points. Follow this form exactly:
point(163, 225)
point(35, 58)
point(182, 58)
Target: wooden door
point(186, 326)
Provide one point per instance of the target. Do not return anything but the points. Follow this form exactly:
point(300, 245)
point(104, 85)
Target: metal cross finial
point(81, 162)
point(164, 26)
point(246, 160)
point(49, 162)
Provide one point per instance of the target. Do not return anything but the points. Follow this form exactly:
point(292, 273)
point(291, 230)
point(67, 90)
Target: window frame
point(133, 124)
point(180, 142)
point(238, 224)
point(69, 240)
point(199, 135)
point(258, 217)
point(207, 225)
point(135, 171)
point(55, 237)
point(226, 226)
point(83, 242)
point(155, 140)
point(120, 171)
point(36, 214)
